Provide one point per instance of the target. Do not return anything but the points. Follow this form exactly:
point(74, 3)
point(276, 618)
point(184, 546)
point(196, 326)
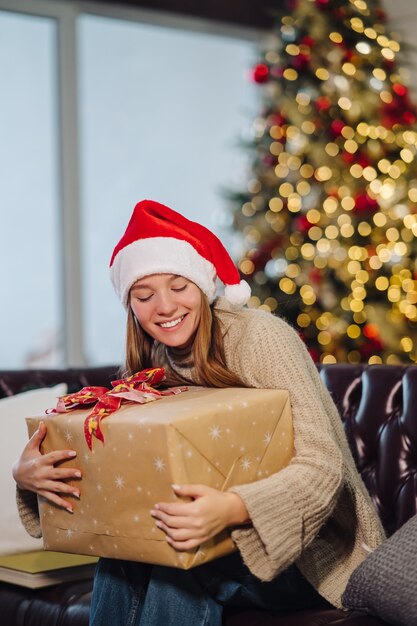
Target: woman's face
point(168, 307)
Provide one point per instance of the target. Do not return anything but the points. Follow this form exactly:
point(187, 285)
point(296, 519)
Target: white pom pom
point(238, 294)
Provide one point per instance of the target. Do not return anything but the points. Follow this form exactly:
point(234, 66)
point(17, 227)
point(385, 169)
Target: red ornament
point(370, 331)
point(261, 73)
point(315, 276)
point(323, 103)
point(381, 15)
point(409, 118)
point(400, 110)
point(399, 89)
point(371, 347)
point(365, 204)
point(270, 160)
point(276, 119)
point(302, 224)
point(307, 41)
point(347, 157)
point(363, 160)
point(314, 353)
point(301, 61)
point(322, 4)
point(336, 127)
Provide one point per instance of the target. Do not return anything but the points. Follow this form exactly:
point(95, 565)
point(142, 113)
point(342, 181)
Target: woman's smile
point(172, 323)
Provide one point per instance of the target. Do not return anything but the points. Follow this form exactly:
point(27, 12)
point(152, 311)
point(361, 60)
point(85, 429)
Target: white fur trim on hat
point(161, 255)
point(238, 294)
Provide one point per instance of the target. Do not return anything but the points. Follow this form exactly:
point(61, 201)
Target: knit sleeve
point(27, 506)
point(287, 509)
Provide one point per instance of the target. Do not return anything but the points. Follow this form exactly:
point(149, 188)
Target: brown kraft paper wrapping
point(216, 437)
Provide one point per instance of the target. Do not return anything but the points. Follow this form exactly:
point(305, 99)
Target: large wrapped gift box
point(217, 437)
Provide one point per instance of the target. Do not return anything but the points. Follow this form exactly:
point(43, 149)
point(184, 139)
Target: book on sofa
point(42, 569)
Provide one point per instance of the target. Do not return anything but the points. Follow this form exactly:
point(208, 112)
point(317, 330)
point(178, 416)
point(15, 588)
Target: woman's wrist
point(237, 512)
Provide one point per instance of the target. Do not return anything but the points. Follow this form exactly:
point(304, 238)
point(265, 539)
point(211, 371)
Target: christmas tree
point(329, 216)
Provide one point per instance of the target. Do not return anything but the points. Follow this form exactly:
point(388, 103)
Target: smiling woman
point(296, 548)
point(168, 308)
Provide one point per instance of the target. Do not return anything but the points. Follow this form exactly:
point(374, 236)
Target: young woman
point(301, 532)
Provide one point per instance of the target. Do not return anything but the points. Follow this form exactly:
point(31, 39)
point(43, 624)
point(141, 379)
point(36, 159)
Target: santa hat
point(159, 240)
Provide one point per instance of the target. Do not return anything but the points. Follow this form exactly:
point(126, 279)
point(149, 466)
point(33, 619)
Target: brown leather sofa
point(373, 402)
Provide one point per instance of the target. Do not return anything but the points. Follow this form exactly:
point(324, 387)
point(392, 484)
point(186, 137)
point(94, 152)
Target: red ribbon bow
point(136, 388)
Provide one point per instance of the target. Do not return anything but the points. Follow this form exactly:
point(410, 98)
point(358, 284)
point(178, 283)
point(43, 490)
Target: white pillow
point(14, 436)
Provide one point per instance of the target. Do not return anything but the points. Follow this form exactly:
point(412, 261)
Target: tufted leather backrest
point(17, 381)
point(378, 406)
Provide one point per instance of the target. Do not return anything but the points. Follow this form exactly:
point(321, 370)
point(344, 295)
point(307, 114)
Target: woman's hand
point(188, 524)
point(36, 472)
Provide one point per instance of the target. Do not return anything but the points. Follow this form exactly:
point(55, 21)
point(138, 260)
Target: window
point(30, 314)
point(158, 113)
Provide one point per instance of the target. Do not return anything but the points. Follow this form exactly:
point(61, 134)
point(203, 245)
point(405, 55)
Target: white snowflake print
point(246, 464)
point(119, 481)
point(68, 436)
point(99, 487)
point(159, 464)
point(267, 438)
point(69, 533)
point(215, 432)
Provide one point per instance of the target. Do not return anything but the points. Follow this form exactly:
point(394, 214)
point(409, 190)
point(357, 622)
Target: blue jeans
point(135, 594)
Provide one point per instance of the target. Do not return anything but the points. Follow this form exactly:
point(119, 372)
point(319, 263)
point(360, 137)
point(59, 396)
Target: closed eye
point(144, 299)
point(180, 288)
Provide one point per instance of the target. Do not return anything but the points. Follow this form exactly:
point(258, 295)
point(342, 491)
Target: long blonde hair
point(206, 353)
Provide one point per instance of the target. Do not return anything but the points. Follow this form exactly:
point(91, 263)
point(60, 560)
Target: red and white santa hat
point(159, 240)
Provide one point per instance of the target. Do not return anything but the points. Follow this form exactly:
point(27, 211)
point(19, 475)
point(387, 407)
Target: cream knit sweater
point(316, 512)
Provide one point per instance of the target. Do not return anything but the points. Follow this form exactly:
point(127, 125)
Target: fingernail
point(69, 509)
point(158, 524)
point(72, 453)
point(175, 486)
point(76, 494)
point(152, 512)
point(77, 474)
point(41, 423)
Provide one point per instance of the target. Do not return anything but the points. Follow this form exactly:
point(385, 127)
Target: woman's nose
point(165, 305)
